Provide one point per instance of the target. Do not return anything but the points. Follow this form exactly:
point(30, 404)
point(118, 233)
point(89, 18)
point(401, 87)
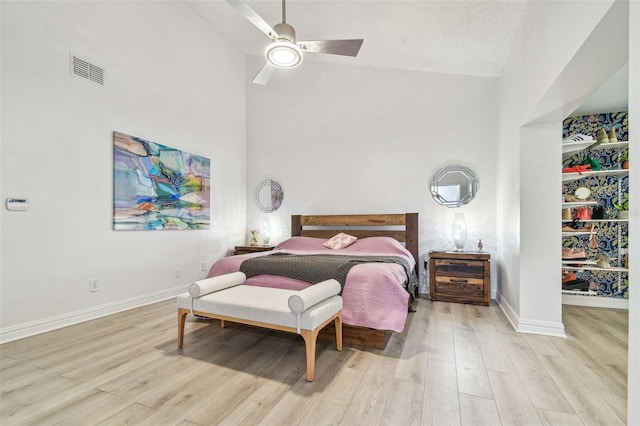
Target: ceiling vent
point(87, 70)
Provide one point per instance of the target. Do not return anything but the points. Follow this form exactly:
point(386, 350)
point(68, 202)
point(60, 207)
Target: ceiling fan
point(284, 51)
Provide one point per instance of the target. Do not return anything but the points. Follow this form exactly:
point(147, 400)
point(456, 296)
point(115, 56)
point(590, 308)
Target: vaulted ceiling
point(469, 37)
point(457, 37)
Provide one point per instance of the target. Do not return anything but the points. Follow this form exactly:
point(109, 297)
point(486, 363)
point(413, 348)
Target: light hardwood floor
point(453, 364)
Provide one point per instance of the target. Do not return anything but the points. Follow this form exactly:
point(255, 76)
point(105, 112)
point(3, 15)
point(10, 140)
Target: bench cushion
point(262, 304)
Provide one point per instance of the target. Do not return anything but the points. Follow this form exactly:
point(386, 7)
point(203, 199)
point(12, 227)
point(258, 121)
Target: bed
point(381, 281)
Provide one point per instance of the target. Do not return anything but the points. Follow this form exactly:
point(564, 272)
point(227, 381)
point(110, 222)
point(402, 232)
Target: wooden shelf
point(599, 220)
point(574, 204)
point(570, 148)
point(590, 298)
point(581, 262)
point(581, 293)
point(610, 145)
point(592, 268)
point(568, 177)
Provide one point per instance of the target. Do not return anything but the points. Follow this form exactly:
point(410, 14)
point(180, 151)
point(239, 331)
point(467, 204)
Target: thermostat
point(17, 204)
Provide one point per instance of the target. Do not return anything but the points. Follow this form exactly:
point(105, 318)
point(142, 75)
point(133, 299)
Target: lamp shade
point(265, 230)
point(459, 231)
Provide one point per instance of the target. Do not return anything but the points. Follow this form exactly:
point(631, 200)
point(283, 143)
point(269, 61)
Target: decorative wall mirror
point(454, 186)
point(269, 196)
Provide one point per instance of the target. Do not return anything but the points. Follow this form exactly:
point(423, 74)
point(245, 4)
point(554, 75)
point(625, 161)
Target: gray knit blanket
point(314, 268)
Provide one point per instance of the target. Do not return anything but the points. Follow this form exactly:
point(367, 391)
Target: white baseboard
point(547, 328)
point(595, 301)
point(529, 326)
point(508, 311)
point(21, 331)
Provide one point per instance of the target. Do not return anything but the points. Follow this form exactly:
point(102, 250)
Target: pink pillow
point(339, 241)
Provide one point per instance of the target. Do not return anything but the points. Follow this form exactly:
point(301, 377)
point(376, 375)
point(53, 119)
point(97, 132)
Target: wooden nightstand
point(251, 249)
point(462, 277)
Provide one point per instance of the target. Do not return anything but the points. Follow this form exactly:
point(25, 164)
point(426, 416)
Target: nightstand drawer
point(460, 268)
point(459, 280)
point(472, 287)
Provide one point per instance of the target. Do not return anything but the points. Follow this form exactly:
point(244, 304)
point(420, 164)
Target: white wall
point(540, 87)
point(538, 90)
point(633, 381)
point(348, 139)
point(165, 83)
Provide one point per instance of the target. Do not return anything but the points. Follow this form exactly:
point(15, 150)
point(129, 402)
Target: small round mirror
point(454, 186)
point(269, 196)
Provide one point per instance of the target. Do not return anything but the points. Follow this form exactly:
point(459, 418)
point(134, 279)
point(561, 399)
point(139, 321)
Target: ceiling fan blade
point(252, 16)
point(334, 47)
point(264, 75)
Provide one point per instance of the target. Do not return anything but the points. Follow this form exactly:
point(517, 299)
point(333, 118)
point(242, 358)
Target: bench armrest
point(312, 295)
point(210, 285)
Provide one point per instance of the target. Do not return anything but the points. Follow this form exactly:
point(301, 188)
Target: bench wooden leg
point(338, 326)
point(310, 337)
point(182, 315)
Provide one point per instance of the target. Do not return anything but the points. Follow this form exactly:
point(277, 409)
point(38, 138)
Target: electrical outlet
point(204, 266)
point(178, 272)
point(94, 285)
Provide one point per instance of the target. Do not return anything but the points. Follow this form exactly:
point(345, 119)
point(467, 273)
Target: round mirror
point(269, 196)
point(454, 186)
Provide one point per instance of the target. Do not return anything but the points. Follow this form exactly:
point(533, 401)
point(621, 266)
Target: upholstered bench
point(303, 312)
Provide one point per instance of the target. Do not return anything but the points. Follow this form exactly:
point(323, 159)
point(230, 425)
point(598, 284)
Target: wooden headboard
point(371, 225)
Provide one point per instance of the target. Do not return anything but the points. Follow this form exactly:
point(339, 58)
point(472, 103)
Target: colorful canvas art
point(157, 187)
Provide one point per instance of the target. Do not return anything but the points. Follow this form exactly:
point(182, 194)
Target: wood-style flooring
point(453, 364)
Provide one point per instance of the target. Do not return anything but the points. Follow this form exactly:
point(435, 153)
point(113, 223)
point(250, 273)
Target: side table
point(250, 249)
point(462, 277)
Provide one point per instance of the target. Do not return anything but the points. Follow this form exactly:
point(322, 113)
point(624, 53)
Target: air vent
point(87, 70)
point(96, 74)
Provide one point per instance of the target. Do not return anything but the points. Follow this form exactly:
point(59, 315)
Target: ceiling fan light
point(283, 54)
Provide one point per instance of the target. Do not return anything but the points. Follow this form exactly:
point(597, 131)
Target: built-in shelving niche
point(609, 186)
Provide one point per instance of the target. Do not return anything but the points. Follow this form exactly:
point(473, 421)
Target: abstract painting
point(157, 187)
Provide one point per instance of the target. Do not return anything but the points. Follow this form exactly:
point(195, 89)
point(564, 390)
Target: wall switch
point(178, 272)
point(204, 266)
point(94, 285)
point(17, 204)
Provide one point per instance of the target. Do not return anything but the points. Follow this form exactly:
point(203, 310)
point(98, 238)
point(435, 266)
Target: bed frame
point(402, 227)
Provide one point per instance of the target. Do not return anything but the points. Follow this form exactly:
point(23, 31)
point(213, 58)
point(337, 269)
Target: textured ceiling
point(457, 37)
point(448, 36)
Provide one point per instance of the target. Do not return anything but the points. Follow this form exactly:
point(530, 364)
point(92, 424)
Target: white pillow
point(210, 285)
point(339, 241)
point(306, 298)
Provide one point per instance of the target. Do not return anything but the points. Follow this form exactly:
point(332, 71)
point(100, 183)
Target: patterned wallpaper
point(610, 237)
point(590, 124)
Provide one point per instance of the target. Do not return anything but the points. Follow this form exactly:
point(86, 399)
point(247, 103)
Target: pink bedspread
point(373, 294)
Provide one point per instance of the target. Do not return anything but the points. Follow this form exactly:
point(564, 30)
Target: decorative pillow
point(302, 243)
point(339, 241)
